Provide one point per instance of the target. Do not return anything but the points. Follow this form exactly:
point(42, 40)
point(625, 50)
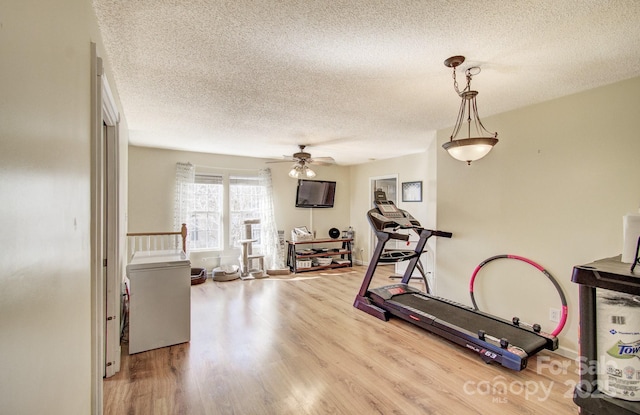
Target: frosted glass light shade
point(470, 149)
point(298, 171)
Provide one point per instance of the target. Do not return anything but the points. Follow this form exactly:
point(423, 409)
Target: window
point(212, 217)
point(215, 203)
point(206, 227)
point(245, 196)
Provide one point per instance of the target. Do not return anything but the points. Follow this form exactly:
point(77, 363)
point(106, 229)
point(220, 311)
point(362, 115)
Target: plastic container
point(303, 264)
point(618, 344)
point(323, 262)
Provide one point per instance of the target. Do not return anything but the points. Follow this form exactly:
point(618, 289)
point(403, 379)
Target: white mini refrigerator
point(160, 300)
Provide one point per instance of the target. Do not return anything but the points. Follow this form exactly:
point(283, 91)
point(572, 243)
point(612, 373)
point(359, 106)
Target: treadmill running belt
point(471, 321)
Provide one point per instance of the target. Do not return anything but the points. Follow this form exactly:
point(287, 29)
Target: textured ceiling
point(353, 79)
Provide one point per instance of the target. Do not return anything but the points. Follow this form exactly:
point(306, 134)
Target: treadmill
point(509, 343)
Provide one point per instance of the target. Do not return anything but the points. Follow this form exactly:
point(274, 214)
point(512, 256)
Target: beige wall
point(151, 192)
point(45, 305)
point(415, 167)
point(554, 190)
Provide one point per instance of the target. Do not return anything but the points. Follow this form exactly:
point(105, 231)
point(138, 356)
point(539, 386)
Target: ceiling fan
point(301, 161)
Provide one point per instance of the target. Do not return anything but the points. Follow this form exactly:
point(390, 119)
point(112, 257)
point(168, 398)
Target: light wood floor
point(296, 345)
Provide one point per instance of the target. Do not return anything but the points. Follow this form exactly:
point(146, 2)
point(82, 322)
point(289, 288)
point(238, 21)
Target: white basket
point(301, 238)
point(323, 262)
point(303, 264)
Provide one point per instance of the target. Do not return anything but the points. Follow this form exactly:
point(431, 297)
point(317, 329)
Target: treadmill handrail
point(399, 236)
point(381, 223)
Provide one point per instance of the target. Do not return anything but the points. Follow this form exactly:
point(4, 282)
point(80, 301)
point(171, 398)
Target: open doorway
point(389, 185)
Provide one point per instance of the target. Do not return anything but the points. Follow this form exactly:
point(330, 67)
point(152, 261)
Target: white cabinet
point(160, 300)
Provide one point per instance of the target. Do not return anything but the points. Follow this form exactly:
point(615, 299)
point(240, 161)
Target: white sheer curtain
point(274, 257)
point(185, 203)
point(184, 196)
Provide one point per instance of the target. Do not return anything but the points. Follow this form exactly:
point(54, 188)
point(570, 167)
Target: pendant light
point(470, 148)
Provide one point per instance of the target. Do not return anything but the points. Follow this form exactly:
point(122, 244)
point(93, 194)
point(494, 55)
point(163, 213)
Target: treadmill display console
point(388, 209)
point(386, 214)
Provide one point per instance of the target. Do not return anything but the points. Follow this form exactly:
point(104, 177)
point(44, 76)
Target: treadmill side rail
point(512, 358)
point(364, 304)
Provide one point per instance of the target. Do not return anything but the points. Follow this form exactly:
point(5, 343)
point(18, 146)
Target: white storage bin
point(324, 261)
point(301, 238)
point(303, 264)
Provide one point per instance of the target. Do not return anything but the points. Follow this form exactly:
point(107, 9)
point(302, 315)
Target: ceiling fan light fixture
point(302, 159)
point(293, 173)
point(301, 170)
point(471, 148)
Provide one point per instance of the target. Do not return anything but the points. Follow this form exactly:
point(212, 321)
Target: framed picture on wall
point(412, 191)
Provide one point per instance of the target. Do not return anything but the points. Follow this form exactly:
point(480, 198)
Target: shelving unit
point(294, 254)
point(610, 274)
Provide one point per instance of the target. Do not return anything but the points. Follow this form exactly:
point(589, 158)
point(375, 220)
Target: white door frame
point(111, 119)
point(105, 302)
point(97, 233)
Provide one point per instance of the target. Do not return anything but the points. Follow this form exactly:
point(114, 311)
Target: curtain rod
point(227, 168)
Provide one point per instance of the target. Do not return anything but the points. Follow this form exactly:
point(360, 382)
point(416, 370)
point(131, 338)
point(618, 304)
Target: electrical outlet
point(554, 315)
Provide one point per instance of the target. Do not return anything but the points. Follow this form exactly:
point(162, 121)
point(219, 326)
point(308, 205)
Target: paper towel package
point(630, 235)
point(618, 343)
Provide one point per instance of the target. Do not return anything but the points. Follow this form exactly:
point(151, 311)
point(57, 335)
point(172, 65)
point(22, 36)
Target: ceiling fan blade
point(288, 160)
point(302, 158)
point(322, 161)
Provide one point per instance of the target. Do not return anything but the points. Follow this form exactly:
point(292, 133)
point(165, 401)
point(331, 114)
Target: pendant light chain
point(455, 82)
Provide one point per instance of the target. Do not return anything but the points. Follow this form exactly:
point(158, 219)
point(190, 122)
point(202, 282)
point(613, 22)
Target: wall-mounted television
point(315, 193)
